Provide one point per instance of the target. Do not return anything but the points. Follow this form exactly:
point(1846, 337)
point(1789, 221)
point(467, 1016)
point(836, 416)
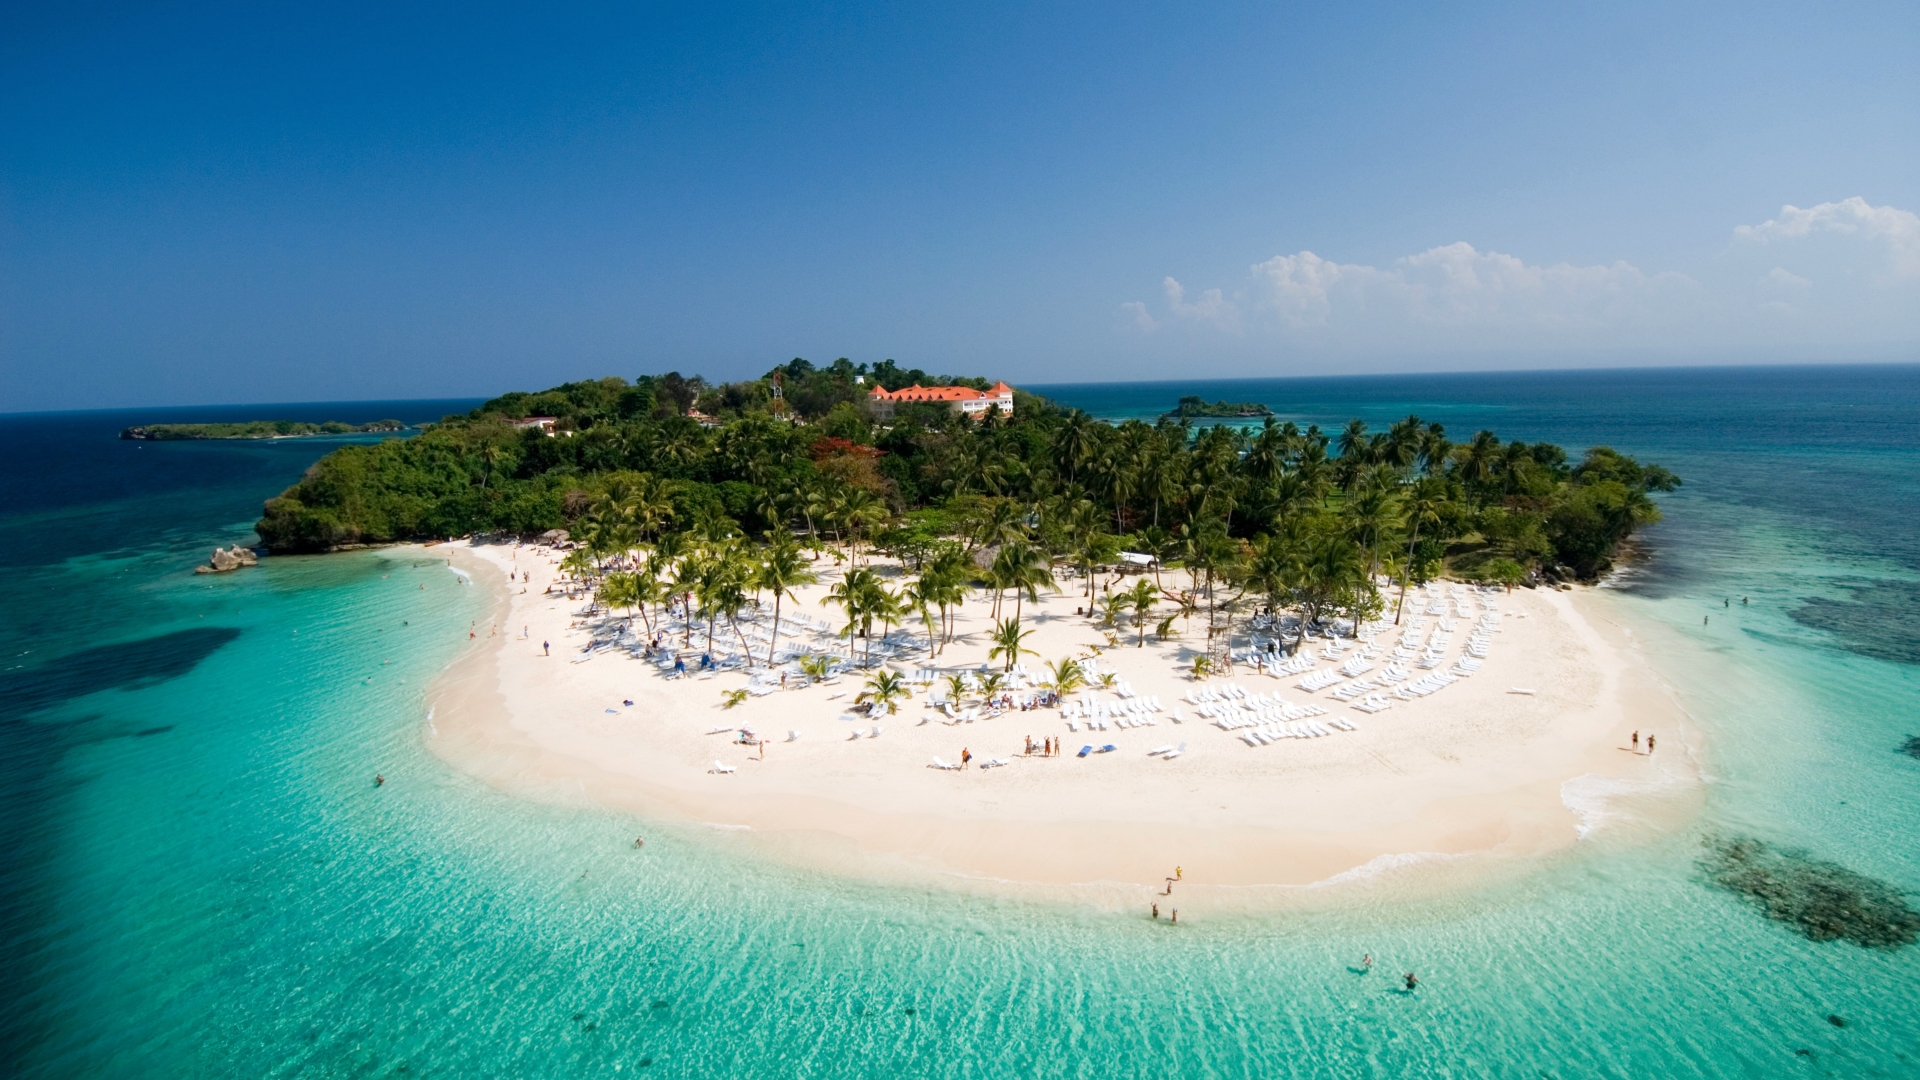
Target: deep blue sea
point(199, 880)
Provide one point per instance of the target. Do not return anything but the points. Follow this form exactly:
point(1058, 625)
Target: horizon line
point(1368, 376)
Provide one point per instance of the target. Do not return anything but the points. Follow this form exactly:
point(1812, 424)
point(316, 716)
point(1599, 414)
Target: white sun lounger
point(946, 765)
point(718, 767)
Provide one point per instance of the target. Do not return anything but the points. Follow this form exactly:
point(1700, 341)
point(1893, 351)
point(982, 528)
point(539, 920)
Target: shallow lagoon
point(201, 880)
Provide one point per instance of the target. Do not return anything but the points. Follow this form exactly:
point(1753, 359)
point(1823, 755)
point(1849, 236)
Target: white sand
point(1470, 770)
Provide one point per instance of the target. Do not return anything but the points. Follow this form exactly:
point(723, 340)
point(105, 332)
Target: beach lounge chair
point(718, 767)
point(793, 736)
point(875, 733)
point(1108, 749)
point(1084, 751)
point(1159, 750)
point(859, 733)
point(947, 766)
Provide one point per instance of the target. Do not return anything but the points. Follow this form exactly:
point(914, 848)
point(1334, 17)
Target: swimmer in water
point(1366, 962)
point(1412, 980)
point(378, 780)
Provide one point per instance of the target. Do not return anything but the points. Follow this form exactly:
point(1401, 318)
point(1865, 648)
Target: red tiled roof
point(916, 392)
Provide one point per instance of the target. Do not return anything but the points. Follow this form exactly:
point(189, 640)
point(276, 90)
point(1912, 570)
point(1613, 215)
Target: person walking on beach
point(966, 756)
point(546, 648)
point(1636, 742)
point(1176, 915)
point(1156, 909)
point(1649, 746)
point(1178, 873)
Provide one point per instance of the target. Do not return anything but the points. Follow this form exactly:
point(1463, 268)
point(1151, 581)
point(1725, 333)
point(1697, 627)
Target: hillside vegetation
point(1299, 516)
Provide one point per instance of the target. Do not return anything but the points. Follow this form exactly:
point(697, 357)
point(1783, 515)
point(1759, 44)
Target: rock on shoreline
point(226, 560)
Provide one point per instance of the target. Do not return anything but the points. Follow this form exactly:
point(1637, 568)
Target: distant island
point(257, 429)
point(1195, 406)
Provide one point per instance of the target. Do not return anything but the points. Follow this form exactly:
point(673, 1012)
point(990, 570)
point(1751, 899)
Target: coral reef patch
point(1823, 900)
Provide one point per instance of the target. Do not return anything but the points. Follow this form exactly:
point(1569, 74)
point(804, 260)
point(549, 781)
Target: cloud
point(1213, 307)
point(1457, 287)
point(1137, 315)
point(1892, 231)
point(1837, 273)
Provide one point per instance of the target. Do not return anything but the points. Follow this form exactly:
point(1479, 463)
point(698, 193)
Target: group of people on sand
point(1636, 743)
point(1049, 747)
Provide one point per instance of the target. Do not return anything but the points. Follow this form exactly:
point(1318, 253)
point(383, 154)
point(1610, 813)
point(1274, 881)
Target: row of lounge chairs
point(1273, 733)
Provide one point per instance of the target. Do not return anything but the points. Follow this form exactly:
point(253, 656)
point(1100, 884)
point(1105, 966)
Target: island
point(257, 429)
point(1193, 406)
point(924, 641)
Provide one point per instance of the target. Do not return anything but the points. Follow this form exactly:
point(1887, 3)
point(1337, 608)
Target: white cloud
point(1212, 306)
point(1138, 317)
point(1837, 273)
point(1459, 287)
point(1895, 232)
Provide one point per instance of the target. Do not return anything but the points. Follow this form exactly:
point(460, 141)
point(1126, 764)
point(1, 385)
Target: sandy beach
point(1473, 770)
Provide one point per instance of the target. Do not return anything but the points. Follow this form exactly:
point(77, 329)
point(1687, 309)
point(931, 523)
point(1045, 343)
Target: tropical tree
point(1141, 598)
point(851, 595)
point(816, 666)
point(1425, 498)
point(884, 690)
point(781, 570)
point(1067, 675)
point(956, 687)
point(1008, 641)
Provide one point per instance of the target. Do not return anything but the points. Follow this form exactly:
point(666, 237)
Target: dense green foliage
point(1295, 518)
point(257, 429)
point(1195, 407)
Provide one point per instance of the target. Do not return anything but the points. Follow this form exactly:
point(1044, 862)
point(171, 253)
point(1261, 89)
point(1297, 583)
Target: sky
point(240, 203)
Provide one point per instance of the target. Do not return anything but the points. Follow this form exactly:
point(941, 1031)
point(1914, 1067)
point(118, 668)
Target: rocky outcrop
point(226, 560)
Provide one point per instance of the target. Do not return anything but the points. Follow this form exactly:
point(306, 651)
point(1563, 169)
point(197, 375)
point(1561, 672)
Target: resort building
point(544, 423)
point(961, 399)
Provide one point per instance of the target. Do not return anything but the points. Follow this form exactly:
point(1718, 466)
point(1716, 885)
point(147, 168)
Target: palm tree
point(491, 455)
point(1023, 568)
point(1008, 639)
point(884, 688)
point(815, 666)
point(782, 569)
point(1142, 597)
point(1424, 499)
point(957, 688)
point(1068, 675)
point(850, 596)
point(919, 597)
point(885, 605)
point(1372, 513)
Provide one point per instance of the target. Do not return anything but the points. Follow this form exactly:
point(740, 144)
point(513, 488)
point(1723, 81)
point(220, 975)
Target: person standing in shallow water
point(1412, 980)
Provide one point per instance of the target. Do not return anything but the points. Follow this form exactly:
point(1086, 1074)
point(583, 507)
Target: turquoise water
point(201, 880)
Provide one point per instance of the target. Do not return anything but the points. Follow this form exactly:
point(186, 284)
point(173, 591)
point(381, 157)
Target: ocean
point(200, 879)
